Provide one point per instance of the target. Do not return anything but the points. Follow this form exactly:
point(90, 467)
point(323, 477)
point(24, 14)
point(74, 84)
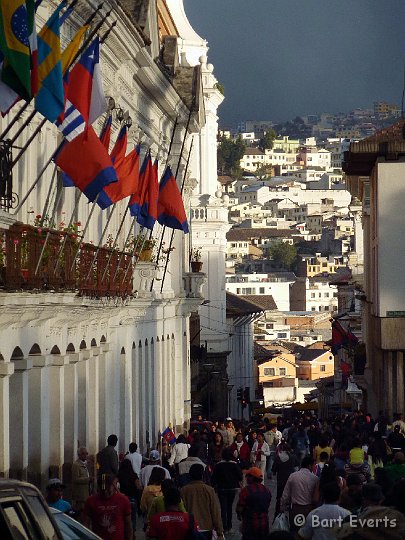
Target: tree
point(284, 254)
point(266, 142)
point(229, 155)
point(263, 172)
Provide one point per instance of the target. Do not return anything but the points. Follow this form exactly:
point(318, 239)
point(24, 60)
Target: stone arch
point(1, 358)
point(140, 343)
point(157, 339)
point(152, 341)
point(55, 350)
point(35, 349)
point(172, 336)
point(163, 338)
point(167, 337)
point(93, 343)
point(83, 345)
point(17, 353)
point(103, 339)
point(122, 350)
point(70, 348)
point(146, 342)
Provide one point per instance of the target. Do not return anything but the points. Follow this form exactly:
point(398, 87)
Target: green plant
point(196, 254)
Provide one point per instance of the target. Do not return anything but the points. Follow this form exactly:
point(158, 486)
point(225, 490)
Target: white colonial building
point(91, 357)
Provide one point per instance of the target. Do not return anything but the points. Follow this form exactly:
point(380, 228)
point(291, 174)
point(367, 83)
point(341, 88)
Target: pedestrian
point(185, 465)
point(330, 514)
point(230, 432)
point(251, 438)
point(130, 486)
point(81, 481)
point(259, 454)
point(323, 446)
point(54, 494)
point(179, 452)
point(135, 458)
point(154, 461)
point(300, 443)
point(202, 501)
point(158, 503)
point(396, 469)
point(108, 512)
point(107, 458)
point(351, 495)
point(375, 525)
point(215, 449)
point(272, 437)
point(356, 454)
point(324, 458)
point(241, 451)
point(222, 430)
point(153, 489)
point(172, 524)
point(396, 440)
point(226, 479)
point(361, 469)
point(300, 492)
point(253, 506)
point(284, 465)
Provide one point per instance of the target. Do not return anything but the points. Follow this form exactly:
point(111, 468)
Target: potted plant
point(142, 247)
point(195, 259)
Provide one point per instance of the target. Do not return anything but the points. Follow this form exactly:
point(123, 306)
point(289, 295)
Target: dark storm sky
point(281, 58)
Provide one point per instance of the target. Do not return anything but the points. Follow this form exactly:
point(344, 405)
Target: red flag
point(170, 203)
point(143, 204)
point(87, 163)
point(128, 178)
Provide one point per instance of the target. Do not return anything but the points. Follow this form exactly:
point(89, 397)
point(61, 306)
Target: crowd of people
point(341, 478)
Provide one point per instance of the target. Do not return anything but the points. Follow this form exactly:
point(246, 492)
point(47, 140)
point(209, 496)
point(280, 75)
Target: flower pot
point(25, 273)
point(145, 255)
point(196, 266)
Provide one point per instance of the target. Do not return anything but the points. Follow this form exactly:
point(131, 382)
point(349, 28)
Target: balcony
point(62, 267)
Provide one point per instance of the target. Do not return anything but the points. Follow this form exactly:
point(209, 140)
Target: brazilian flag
point(15, 46)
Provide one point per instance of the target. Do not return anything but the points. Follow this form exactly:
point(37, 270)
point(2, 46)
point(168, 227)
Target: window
point(282, 335)
point(269, 371)
point(313, 308)
point(326, 295)
point(313, 295)
point(283, 371)
point(326, 308)
point(261, 290)
point(323, 367)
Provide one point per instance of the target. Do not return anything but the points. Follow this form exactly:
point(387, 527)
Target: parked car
point(24, 514)
point(72, 529)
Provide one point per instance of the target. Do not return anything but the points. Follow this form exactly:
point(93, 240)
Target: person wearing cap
point(154, 461)
point(396, 469)
point(54, 492)
point(253, 506)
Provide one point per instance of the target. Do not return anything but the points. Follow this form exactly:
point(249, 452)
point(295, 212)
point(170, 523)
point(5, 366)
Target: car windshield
point(71, 529)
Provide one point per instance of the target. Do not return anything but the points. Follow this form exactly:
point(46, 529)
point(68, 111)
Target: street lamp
point(229, 388)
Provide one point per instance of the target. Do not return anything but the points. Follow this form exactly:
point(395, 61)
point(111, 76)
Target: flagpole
point(101, 240)
point(125, 245)
point(115, 241)
point(57, 201)
point(134, 254)
point(48, 197)
point(17, 116)
point(77, 199)
point(173, 230)
point(86, 226)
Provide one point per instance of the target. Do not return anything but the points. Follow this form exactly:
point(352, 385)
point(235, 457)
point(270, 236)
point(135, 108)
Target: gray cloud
point(281, 58)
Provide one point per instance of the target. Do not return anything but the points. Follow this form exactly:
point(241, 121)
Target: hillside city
point(295, 249)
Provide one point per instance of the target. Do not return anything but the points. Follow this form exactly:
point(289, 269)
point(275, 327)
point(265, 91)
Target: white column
point(83, 398)
point(125, 401)
point(157, 389)
point(19, 400)
point(399, 381)
point(135, 394)
point(56, 413)
point(71, 408)
point(92, 399)
point(6, 369)
point(103, 389)
point(39, 421)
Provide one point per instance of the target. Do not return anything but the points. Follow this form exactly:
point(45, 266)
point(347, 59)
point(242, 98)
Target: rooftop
point(237, 306)
point(258, 232)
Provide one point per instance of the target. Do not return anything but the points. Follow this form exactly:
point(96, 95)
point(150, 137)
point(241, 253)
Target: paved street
point(235, 535)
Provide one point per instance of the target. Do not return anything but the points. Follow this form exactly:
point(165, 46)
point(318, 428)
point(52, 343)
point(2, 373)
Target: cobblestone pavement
point(235, 534)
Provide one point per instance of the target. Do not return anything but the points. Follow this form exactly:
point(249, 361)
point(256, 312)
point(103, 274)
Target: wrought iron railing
point(34, 258)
